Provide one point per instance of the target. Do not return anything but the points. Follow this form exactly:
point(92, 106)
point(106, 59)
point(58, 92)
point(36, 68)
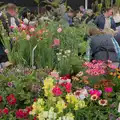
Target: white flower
point(64, 56)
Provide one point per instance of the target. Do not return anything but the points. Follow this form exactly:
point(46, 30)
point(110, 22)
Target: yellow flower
point(60, 106)
point(48, 85)
point(71, 99)
point(37, 107)
point(80, 104)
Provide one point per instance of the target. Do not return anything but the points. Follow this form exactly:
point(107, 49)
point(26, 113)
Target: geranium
point(108, 89)
point(57, 91)
point(103, 102)
point(5, 111)
point(20, 114)
point(68, 87)
point(11, 99)
point(1, 98)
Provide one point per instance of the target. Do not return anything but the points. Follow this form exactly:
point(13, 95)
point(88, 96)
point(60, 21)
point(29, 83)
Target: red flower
point(57, 91)
point(65, 77)
point(5, 111)
point(11, 99)
point(20, 114)
point(0, 98)
point(68, 87)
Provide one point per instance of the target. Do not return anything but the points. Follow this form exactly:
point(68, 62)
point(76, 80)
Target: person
point(9, 19)
point(105, 20)
point(82, 9)
point(68, 17)
point(101, 46)
point(116, 17)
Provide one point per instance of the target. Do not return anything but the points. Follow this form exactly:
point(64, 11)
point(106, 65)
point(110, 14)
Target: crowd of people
point(103, 38)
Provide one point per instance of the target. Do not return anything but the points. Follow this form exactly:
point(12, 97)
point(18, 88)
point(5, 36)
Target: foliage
point(38, 47)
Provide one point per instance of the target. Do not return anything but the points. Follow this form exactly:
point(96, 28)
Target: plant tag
point(119, 108)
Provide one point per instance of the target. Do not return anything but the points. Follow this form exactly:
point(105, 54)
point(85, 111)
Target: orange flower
point(103, 102)
point(119, 77)
point(96, 86)
point(86, 82)
point(94, 97)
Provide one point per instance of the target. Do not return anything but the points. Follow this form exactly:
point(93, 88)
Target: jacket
point(100, 22)
point(102, 48)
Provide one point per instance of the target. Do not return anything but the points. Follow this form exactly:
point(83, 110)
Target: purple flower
point(10, 84)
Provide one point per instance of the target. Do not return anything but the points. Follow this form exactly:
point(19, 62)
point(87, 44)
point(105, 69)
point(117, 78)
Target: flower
point(32, 29)
point(108, 89)
point(68, 87)
point(60, 106)
point(55, 75)
point(11, 99)
point(103, 102)
point(95, 92)
point(12, 27)
point(6, 51)
point(20, 114)
point(48, 86)
point(81, 94)
point(79, 74)
point(56, 42)
point(1, 98)
point(59, 30)
point(94, 97)
point(5, 111)
point(57, 91)
point(23, 26)
point(28, 37)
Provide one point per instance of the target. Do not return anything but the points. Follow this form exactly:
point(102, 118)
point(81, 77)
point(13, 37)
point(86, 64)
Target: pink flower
point(57, 91)
point(56, 42)
point(108, 89)
point(12, 27)
point(95, 92)
point(59, 30)
point(55, 74)
point(23, 26)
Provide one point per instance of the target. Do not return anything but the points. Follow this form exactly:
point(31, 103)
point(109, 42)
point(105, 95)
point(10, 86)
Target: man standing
point(105, 20)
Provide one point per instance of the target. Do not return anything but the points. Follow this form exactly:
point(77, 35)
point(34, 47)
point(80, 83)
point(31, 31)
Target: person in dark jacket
point(101, 46)
point(105, 20)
